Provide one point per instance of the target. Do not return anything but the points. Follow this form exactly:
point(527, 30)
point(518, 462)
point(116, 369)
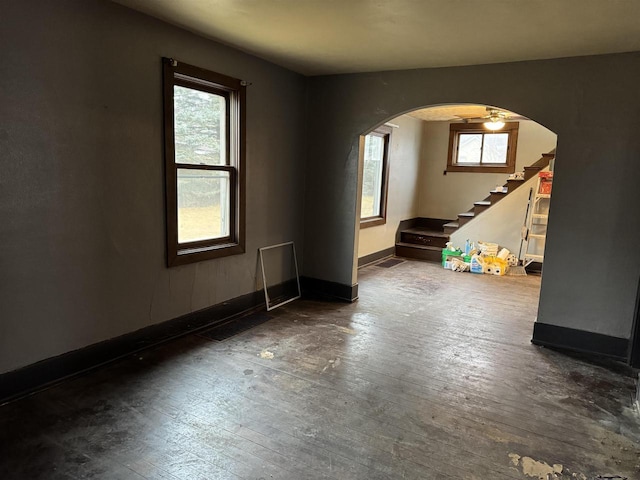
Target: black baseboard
point(374, 257)
point(314, 287)
point(42, 374)
point(34, 377)
point(282, 292)
point(580, 341)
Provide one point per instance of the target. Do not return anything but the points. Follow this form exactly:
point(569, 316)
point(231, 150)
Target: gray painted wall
point(81, 184)
point(592, 103)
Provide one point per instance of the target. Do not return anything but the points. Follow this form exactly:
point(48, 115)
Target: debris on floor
point(486, 258)
point(332, 363)
point(537, 469)
point(543, 471)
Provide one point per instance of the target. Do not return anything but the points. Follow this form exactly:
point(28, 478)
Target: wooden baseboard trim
point(580, 341)
point(374, 257)
point(32, 378)
point(45, 373)
point(315, 287)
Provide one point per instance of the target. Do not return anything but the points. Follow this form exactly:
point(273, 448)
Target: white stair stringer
point(501, 223)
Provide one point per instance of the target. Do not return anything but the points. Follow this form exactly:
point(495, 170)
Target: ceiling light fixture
point(494, 124)
point(496, 120)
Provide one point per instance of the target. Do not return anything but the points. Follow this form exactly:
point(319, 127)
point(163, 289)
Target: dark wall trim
point(45, 373)
point(580, 341)
point(373, 257)
point(314, 287)
point(42, 374)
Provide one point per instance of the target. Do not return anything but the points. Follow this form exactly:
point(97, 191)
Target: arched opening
point(439, 174)
point(586, 303)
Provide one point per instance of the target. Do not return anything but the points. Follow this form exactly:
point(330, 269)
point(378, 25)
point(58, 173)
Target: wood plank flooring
point(430, 375)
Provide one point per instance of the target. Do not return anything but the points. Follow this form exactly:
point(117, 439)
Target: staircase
point(424, 238)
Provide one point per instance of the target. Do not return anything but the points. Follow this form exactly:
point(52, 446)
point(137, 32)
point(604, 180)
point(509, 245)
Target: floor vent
point(392, 262)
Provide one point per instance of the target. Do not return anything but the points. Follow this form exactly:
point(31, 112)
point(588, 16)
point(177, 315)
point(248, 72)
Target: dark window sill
point(193, 255)
point(372, 222)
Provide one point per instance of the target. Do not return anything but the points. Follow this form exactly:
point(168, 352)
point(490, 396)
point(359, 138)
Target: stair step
point(531, 171)
point(496, 196)
point(465, 217)
point(425, 231)
point(421, 252)
point(421, 236)
point(431, 224)
point(479, 207)
point(450, 227)
point(513, 184)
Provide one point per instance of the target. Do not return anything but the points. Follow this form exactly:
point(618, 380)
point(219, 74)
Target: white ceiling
point(316, 37)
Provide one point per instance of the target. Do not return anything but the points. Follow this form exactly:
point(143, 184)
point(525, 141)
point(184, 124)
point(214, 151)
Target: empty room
point(225, 226)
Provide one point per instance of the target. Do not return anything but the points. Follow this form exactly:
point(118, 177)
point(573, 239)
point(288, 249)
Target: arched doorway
point(587, 306)
point(422, 174)
point(411, 175)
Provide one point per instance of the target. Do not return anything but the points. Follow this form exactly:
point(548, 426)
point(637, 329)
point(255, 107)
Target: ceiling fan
point(495, 118)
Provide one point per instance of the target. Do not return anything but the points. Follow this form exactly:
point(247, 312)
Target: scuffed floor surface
point(430, 375)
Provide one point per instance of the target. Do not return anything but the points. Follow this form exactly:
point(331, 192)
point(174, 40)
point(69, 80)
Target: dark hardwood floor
point(430, 375)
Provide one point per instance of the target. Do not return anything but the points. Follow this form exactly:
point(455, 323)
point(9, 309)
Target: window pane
point(372, 176)
point(495, 148)
point(199, 127)
point(203, 205)
point(469, 148)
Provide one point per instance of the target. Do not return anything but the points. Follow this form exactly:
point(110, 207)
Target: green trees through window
point(200, 139)
point(375, 174)
point(204, 145)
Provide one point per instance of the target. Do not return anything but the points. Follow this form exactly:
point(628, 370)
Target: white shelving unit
point(536, 233)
